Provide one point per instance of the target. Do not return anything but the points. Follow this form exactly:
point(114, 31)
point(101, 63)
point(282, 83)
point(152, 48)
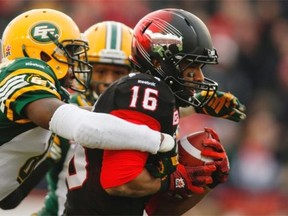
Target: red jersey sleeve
point(122, 166)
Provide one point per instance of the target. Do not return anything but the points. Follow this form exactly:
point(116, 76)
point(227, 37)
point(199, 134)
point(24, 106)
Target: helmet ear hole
point(44, 56)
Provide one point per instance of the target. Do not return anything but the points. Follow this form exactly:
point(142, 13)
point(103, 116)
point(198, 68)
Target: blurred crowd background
point(251, 38)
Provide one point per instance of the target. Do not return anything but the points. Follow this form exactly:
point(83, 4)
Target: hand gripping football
point(190, 147)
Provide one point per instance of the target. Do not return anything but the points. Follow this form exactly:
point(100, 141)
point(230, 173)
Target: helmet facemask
point(75, 56)
point(185, 90)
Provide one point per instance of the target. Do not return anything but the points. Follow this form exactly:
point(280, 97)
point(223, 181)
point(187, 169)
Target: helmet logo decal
point(159, 41)
point(7, 50)
point(176, 117)
point(40, 32)
point(211, 53)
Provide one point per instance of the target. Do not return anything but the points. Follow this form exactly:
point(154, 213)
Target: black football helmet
point(173, 36)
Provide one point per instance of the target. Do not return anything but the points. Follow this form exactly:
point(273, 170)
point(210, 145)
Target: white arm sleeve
point(104, 131)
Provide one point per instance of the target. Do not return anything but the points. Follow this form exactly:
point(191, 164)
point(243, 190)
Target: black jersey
point(142, 93)
point(134, 93)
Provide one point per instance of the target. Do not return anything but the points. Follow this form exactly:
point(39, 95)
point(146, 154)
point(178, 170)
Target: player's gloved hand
point(163, 163)
point(218, 153)
point(188, 180)
point(223, 105)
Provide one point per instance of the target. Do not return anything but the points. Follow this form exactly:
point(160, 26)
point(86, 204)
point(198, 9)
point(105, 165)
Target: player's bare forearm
point(41, 111)
point(143, 185)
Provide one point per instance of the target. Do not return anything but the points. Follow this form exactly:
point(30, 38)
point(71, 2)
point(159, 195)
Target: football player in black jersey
point(170, 48)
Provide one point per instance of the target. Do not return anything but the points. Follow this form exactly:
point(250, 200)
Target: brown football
point(189, 149)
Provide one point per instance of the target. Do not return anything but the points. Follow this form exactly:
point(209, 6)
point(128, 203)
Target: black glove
point(163, 163)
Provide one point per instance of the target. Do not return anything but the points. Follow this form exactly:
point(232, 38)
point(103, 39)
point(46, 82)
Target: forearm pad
point(104, 131)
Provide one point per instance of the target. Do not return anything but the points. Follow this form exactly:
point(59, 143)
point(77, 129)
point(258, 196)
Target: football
point(189, 149)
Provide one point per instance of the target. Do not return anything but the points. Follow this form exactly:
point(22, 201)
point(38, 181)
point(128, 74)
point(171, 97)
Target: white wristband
point(104, 131)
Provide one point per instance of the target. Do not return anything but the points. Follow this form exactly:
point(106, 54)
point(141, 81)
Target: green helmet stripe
point(113, 36)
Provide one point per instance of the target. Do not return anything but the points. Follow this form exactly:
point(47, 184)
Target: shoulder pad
point(31, 63)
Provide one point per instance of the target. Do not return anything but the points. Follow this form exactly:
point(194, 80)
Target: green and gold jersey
point(23, 144)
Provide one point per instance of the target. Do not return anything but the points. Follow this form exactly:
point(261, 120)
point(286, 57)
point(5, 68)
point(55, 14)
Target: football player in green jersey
point(43, 53)
point(109, 49)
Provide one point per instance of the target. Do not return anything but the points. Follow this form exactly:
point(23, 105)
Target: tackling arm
point(95, 130)
point(104, 131)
